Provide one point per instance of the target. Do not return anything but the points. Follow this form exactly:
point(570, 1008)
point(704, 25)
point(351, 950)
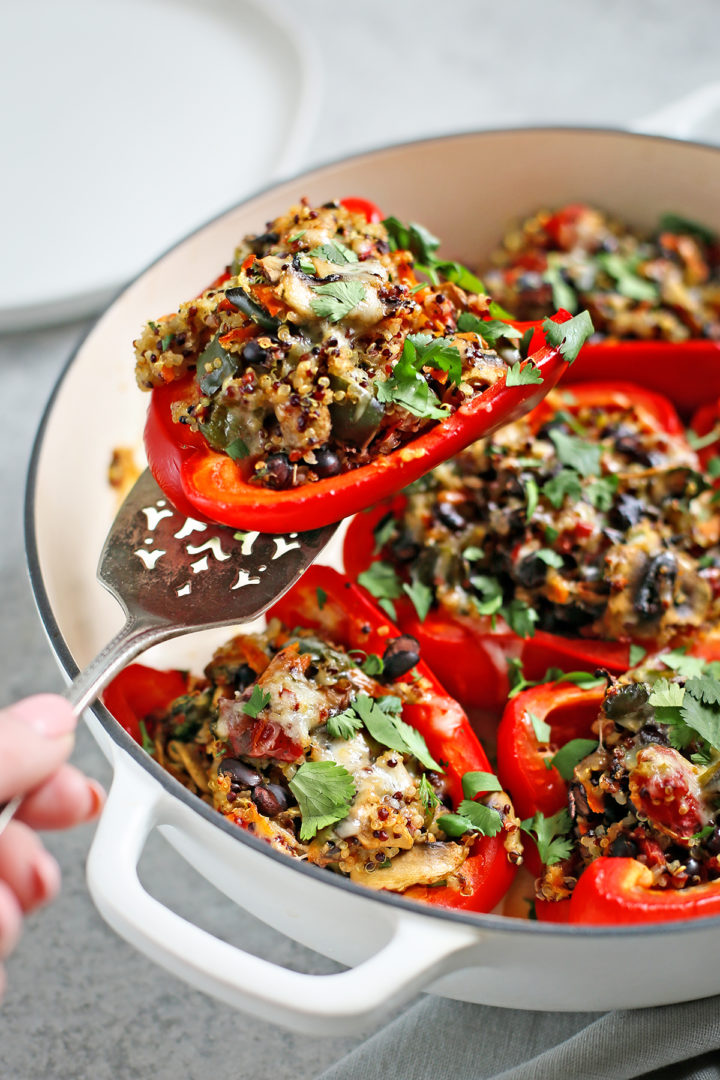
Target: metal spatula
point(172, 575)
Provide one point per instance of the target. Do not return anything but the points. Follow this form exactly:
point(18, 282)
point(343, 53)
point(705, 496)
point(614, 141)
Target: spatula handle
point(128, 643)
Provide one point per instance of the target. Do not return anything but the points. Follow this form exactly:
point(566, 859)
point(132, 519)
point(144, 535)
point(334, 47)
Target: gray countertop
point(80, 1002)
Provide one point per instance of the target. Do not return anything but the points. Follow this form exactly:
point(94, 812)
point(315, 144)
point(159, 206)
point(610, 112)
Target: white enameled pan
point(466, 189)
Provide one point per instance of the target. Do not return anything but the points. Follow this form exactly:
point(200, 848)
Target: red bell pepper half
point(325, 601)
point(203, 483)
point(610, 890)
point(470, 653)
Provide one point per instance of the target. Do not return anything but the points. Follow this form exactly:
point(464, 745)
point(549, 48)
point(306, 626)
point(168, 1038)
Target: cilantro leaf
point(666, 694)
point(472, 553)
point(628, 281)
point(473, 783)
point(563, 294)
point(543, 731)
point(408, 388)
point(532, 495)
point(523, 373)
point(704, 689)
point(689, 666)
point(549, 835)
point(701, 718)
point(437, 352)
point(383, 531)
point(390, 730)
point(471, 817)
point(491, 592)
point(237, 449)
point(637, 653)
point(382, 582)
point(601, 492)
point(373, 664)
point(343, 725)
point(576, 453)
point(422, 597)
point(337, 299)
point(565, 484)
point(457, 273)
point(334, 252)
point(426, 794)
point(520, 617)
point(570, 754)
point(516, 677)
point(549, 557)
point(490, 330)
point(324, 791)
point(569, 336)
point(148, 744)
point(579, 678)
point(414, 238)
point(259, 700)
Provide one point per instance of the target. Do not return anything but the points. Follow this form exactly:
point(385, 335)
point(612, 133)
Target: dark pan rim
point(173, 787)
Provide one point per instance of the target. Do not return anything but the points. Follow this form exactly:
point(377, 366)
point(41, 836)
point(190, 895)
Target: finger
point(67, 798)
point(26, 867)
point(10, 921)
point(35, 739)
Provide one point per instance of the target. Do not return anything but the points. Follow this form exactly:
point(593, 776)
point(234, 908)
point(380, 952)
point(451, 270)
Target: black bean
point(692, 869)
point(623, 700)
point(270, 799)
point(401, 654)
point(712, 843)
point(243, 676)
point(659, 576)
point(450, 516)
point(623, 847)
point(241, 775)
point(327, 463)
point(254, 353)
point(278, 472)
point(626, 512)
point(531, 572)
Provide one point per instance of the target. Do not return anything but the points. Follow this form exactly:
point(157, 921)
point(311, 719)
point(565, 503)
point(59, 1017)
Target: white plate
point(127, 123)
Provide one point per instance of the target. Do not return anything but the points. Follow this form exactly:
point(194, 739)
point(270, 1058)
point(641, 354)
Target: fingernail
point(46, 877)
point(48, 714)
point(96, 799)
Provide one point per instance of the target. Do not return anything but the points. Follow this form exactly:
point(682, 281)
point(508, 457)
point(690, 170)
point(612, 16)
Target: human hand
point(36, 738)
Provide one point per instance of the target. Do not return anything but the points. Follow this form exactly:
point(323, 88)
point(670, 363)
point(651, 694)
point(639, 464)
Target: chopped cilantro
point(421, 243)
point(471, 817)
point(307, 266)
point(550, 557)
point(382, 720)
point(321, 597)
point(570, 754)
point(543, 731)
point(383, 531)
point(569, 336)
point(523, 373)
point(565, 485)
point(382, 582)
point(148, 744)
point(563, 294)
point(324, 791)
point(628, 281)
point(601, 492)
point(421, 596)
point(516, 677)
point(407, 387)
point(579, 678)
point(337, 299)
point(689, 666)
point(520, 617)
point(259, 700)
point(334, 252)
point(532, 495)
point(472, 553)
point(675, 223)
point(704, 689)
point(343, 725)
point(576, 453)
point(373, 664)
point(166, 342)
point(637, 653)
point(491, 592)
point(549, 834)
point(473, 783)
point(237, 449)
point(491, 330)
point(713, 467)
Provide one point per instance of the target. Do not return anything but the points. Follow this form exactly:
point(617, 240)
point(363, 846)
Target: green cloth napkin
point(437, 1039)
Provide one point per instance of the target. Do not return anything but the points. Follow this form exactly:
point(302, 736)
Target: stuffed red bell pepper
point(575, 538)
point(619, 788)
point(653, 296)
point(320, 374)
point(326, 736)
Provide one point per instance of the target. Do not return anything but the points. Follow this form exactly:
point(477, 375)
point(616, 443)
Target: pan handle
point(412, 957)
point(682, 118)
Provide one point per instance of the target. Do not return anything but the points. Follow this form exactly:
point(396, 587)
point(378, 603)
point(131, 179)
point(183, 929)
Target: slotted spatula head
point(165, 568)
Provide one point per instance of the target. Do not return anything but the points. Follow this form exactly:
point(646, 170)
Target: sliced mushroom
point(424, 864)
